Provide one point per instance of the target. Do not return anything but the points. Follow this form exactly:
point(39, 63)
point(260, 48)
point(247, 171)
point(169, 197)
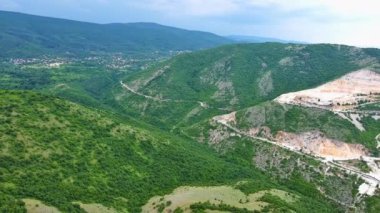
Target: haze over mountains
point(32, 35)
point(258, 39)
point(142, 117)
point(36, 35)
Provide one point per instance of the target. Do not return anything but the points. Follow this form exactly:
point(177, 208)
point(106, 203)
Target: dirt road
point(330, 163)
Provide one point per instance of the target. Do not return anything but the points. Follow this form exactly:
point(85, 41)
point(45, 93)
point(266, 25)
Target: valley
point(359, 84)
point(142, 117)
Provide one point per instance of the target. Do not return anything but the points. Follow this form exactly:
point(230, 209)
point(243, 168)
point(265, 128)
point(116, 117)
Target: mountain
point(30, 35)
point(258, 39)
point(264, 127)
point(55, 154)
point(237, 76)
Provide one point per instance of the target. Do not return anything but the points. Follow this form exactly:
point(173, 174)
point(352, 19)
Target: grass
point(184, 197)
point(36, 206)
point(238, 76)
point(59, 152)
point(298, 119)
point(96, 208)
point(97, 151)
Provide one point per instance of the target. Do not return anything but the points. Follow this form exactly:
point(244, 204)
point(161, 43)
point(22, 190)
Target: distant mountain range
point(258, 39)
point(30, 35)
point(22, 34)
point(197, 132)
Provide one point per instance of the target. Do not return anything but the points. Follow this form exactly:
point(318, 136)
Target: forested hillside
point(62, 153)
point(133, 118)
point(237, 76)
point(24, 35)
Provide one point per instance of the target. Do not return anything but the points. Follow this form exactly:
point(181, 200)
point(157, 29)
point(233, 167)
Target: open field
point(185, 196)
point(36, 206)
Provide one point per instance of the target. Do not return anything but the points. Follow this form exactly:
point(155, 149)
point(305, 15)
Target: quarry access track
point(201, 104)
point(329, 163)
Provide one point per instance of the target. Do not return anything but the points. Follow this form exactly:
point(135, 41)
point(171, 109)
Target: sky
point(352, 22)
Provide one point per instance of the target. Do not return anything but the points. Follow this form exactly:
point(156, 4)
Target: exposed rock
point(341, 94)
point(265, 84)
point(287, 61)
point(316, 143)
point(217, 135)
point(227, 118)
point(138, 84)
point(261, 132)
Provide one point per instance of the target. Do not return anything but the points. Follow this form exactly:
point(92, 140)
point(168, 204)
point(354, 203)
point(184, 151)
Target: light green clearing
point(36, 206)
point(96, 208)
point(215, 211)
point(183, 197)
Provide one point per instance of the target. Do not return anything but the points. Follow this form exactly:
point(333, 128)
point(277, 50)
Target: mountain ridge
point(31, 35)
point(242, 75)
point(260, 39)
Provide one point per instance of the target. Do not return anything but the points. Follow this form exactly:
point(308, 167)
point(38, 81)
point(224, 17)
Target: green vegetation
point(24, 35)
point(59, 152)
point(360, 164)
point(372, 204)
point(84, 82)
point(97, 148)
point(10, 204)
point(238, 76)
point(301, 174)
point(301, 119)
point(371, 106)
point(201, 207)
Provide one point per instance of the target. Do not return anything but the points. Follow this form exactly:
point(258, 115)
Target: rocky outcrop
point(316, 143)
point(341, 94)
point(226, 119)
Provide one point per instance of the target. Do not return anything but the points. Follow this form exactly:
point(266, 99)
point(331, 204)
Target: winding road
point(201, 104)
point(330, 163)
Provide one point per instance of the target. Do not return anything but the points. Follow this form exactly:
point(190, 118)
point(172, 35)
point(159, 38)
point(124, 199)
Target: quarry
point(342, 94)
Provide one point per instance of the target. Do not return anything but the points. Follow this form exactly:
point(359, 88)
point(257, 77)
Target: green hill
point(24, 35)
point(62, 153)
point(237, 76)
point(92, 151)
point(297, 119)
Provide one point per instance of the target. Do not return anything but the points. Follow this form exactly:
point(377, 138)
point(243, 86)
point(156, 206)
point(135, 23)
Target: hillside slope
point(237, 76)
point(29, 35)
point(60, 152)
point(66, 155)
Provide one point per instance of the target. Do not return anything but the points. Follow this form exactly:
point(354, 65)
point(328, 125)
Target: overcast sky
point(353, 22)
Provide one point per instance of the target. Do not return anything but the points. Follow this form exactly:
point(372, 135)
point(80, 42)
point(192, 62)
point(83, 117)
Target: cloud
point(339, 21)
point(190, 7)
point(9, 5)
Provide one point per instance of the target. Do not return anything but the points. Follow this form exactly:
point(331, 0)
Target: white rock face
point(227, 118)
point(317, 144)
point(368, 188)
point(343, 93)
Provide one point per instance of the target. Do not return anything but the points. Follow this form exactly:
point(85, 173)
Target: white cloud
point(9, 5)
point(190, 7)
point(354, 22)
